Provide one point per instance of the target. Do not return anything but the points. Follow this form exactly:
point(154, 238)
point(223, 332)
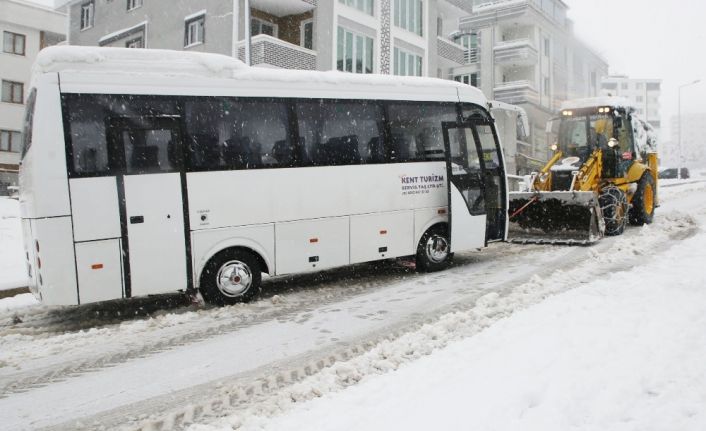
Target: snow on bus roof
point(597, 102)
point(203, 65)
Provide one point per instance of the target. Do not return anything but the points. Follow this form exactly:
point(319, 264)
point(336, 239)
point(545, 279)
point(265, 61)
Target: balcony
point(270, 51)
point(517, 52)
point(515, 92)
point(451, 51)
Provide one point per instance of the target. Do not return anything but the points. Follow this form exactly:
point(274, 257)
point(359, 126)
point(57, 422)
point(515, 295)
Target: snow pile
point(626, 353)
point(497, 4)
point(15, 303)
point(13, 269)
point(436, 365)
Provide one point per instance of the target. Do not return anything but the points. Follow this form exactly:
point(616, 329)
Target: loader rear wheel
point(643, 204)
point(614, 205)
point(434, 251)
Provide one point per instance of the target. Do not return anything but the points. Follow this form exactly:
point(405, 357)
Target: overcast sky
point(650, 39)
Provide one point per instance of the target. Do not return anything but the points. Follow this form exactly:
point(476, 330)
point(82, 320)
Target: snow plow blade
point(562, 218)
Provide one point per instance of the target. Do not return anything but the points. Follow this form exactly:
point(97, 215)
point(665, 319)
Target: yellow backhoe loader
point(603, 174)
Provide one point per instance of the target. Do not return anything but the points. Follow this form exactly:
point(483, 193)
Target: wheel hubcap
point(437, 248)
point(234, 278)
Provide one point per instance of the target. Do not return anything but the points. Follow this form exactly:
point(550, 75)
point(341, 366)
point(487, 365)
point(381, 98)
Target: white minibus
point(146, 172)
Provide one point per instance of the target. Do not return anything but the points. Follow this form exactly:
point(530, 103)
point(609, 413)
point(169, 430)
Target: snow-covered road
point(307, 336)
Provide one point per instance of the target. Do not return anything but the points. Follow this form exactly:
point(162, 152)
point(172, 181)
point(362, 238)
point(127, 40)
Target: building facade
point(403, 37)
point(525, 53)
point(643, 93)
point(25, 28)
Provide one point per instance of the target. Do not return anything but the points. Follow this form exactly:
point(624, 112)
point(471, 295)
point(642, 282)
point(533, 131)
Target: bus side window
point(228, 133)
point(340, 133)
point(88, 147)
point(416, 130)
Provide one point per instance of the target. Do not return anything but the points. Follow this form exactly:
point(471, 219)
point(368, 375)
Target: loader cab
point(582, 131)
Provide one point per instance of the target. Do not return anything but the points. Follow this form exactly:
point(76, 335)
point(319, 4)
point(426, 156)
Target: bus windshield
point(581, 135)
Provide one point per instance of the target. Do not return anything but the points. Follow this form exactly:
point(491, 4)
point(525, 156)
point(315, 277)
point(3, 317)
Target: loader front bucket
point(571, 218)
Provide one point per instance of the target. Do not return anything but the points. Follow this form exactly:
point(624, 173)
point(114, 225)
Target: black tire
point(433, 250)
point(234, 265)
point(643, 205)
point(614, 205)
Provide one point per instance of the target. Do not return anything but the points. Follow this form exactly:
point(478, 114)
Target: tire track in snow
point(35, 378)
point(329, 365)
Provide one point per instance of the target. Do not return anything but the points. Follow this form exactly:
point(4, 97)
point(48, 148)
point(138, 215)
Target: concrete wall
point(164, 27)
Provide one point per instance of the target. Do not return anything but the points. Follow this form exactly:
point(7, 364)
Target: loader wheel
point(643, 204)
point(614, 205)
point(434, 251)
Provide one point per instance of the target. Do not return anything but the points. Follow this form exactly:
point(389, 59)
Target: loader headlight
point(554, 147)
point(543, 178)
point(613, 142)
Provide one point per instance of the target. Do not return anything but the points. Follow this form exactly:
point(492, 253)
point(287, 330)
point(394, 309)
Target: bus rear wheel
point(434, 250)
point(231, 276)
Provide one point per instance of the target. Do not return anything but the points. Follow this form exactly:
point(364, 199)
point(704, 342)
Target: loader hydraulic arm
point(541, 181)
point(589, 176)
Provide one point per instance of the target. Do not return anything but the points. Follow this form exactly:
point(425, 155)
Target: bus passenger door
point(494, 182)
point(152, 207)
point(467, 212)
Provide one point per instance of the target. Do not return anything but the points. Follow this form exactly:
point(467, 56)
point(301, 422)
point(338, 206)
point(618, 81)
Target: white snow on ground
point(17, 302)
point(623, 352)
point(131, 372)
point(13, 270)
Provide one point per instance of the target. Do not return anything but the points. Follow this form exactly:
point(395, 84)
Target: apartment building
point(643, 93)
point(403, 37)
point(524, 52)
point(25, 28)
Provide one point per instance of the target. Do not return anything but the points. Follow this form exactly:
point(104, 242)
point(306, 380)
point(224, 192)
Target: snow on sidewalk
point(622, 353)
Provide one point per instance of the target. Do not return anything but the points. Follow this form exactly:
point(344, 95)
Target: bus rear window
point(28, 122)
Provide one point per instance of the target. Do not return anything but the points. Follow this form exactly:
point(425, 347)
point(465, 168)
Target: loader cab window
point(581, 135)
point(573, 138)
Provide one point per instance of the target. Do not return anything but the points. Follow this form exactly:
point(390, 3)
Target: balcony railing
point(450, 50)
point(521, 52)
point(268, 50)
point(515, 92)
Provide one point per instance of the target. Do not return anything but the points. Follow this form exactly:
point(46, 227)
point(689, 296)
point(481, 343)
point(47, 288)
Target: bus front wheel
point(231, 276)
point(434, 251)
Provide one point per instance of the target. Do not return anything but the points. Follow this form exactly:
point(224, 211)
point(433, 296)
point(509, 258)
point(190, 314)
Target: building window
point(408, 15)
point(362, 5)
point(306, 35)
point(469, 79)
point(10, 141)
point(354, 52)
point(135, 43)
point(471, 42)
point(638, 86)
point(259, 26)
point(624, 86)
point(133, 4)
point(546, 86)
point(12, 92)
point(547, 46)
point(87, 10)
point(194, 33)
point(407, 64)
point(13, 43)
